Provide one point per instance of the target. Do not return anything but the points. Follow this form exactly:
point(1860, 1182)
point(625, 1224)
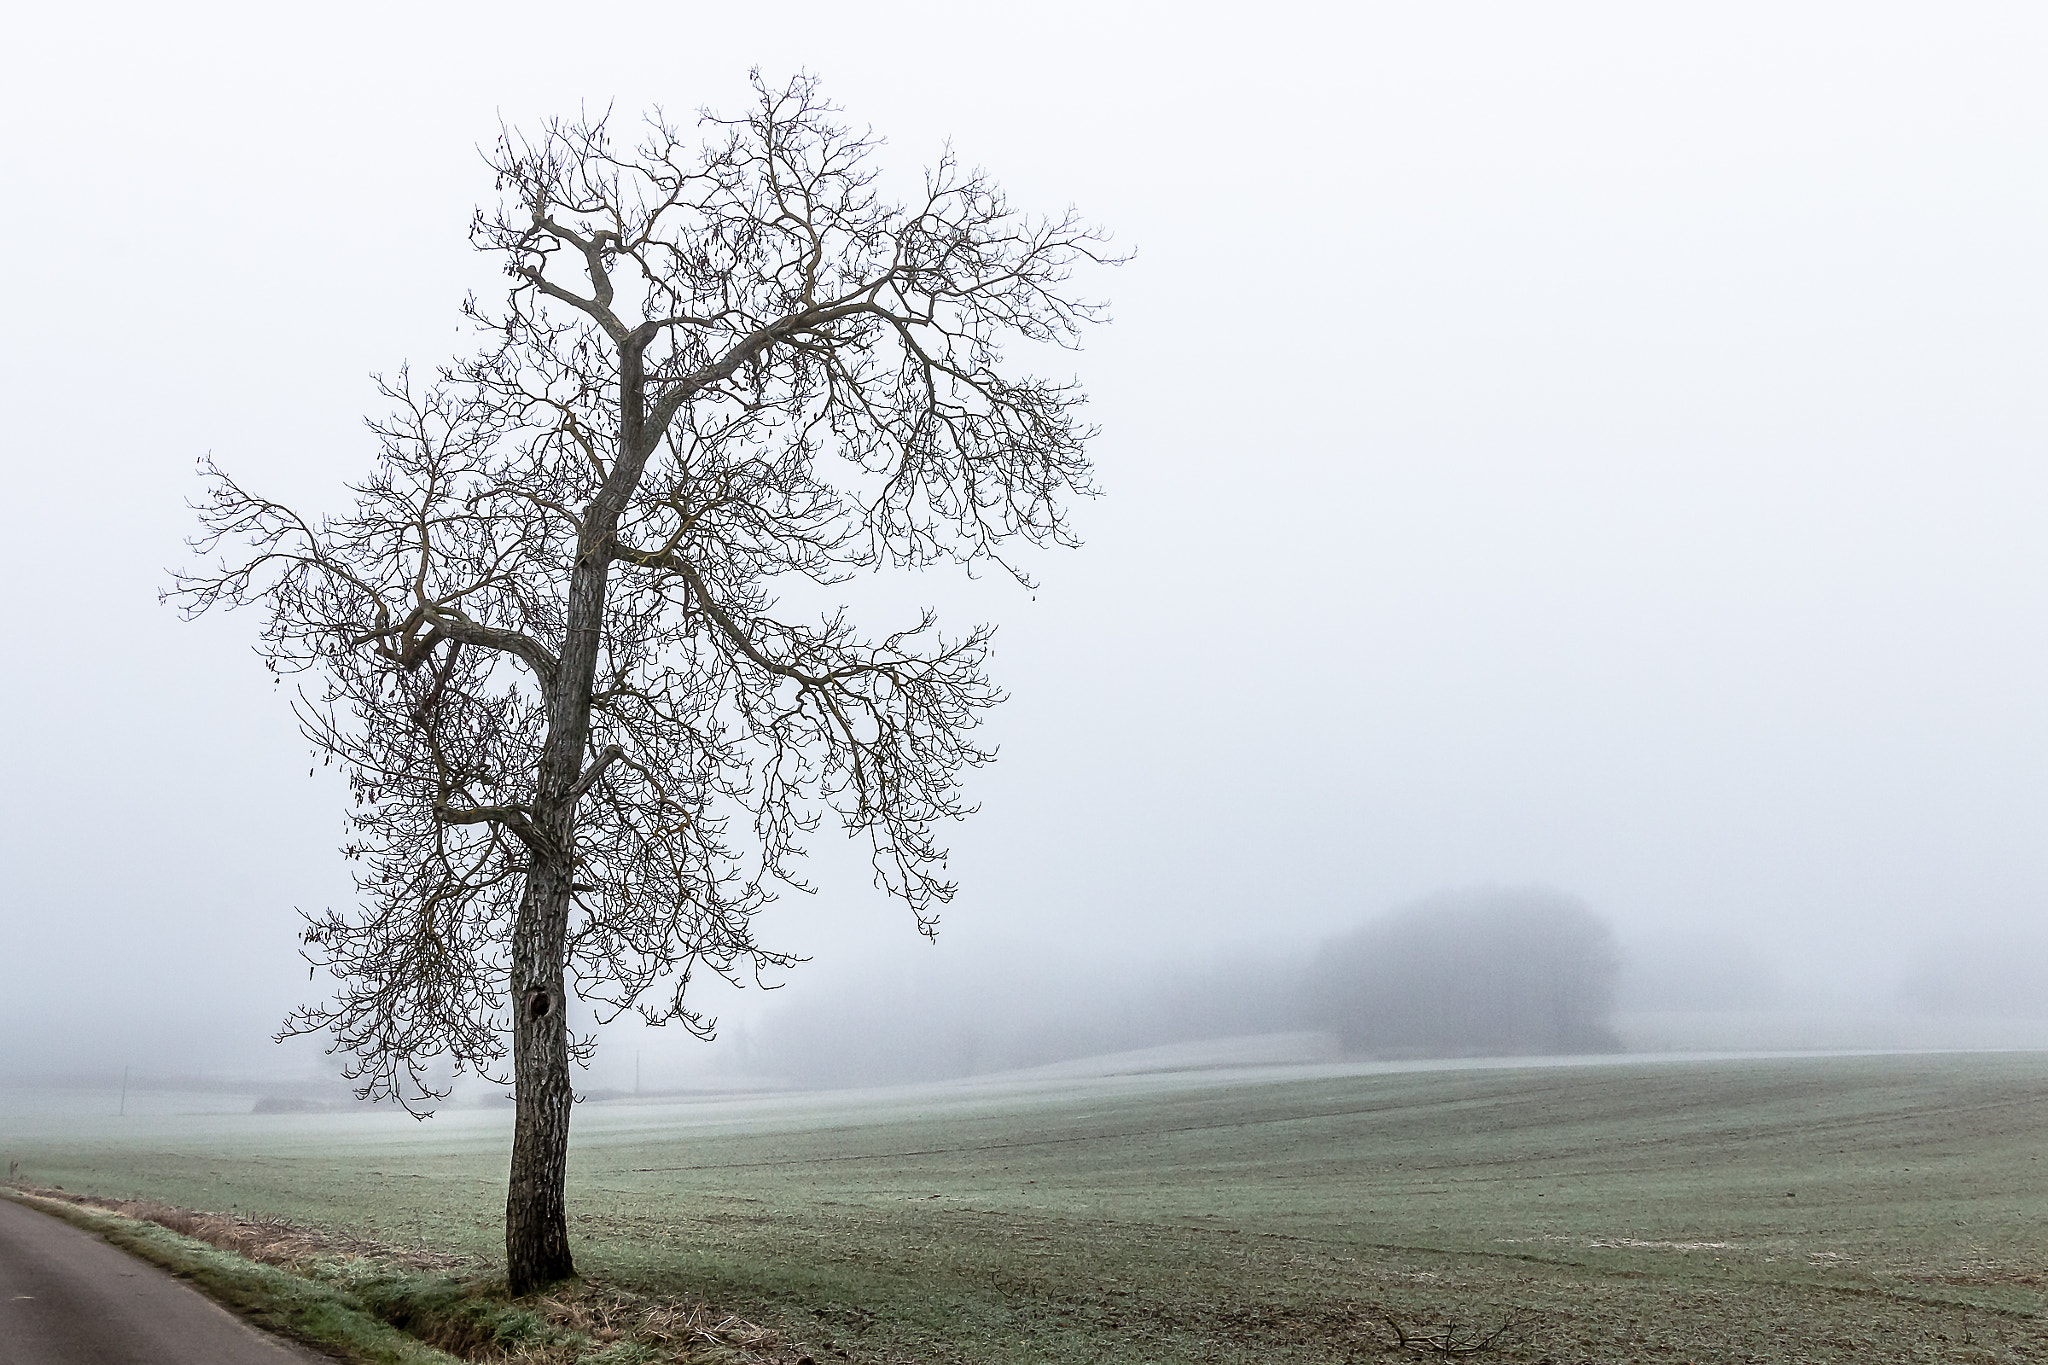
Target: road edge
point(317, 1316)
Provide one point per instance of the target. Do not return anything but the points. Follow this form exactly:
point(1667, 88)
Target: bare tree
point(583, 743)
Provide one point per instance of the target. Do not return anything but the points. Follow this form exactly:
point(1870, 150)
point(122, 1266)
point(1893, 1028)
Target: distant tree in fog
point(585, 741)
point(1472, 973)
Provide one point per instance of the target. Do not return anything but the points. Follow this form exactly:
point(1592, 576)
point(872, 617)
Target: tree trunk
point(536, 1212)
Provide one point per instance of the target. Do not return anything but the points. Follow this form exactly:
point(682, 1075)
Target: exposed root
point(1456, 1338)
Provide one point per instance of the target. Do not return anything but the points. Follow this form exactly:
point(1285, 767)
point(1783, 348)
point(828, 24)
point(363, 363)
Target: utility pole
point(124, 1092)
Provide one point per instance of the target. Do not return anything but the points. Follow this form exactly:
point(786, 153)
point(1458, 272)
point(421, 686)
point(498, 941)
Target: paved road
point(67, 1298)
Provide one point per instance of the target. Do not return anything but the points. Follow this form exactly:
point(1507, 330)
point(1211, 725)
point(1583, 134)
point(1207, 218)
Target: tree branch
point(667, 403)
point(612, 754)
point(510, 817)
point(455, 626)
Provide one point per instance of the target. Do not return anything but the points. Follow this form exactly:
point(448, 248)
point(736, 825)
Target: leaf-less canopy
point(582, 741)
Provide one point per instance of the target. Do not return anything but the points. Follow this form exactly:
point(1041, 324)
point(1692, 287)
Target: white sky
point(1598, 445)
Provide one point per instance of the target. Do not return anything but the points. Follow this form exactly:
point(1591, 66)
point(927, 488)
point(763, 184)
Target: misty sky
point(1598, 446)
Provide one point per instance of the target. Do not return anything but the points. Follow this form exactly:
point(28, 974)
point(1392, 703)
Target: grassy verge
point(324, 1316)
point(360, 1306)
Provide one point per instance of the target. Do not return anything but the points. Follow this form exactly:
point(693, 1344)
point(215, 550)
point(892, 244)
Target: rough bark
point(536, 1210)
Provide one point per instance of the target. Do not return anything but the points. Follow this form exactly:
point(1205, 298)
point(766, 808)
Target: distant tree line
point(1473, 973)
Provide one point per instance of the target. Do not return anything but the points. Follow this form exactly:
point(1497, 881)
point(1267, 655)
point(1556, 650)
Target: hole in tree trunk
point(538, 1003)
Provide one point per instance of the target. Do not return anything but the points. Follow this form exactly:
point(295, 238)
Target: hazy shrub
point(1472, 973)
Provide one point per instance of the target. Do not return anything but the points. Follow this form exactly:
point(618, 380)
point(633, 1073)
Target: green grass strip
point(307, 1311)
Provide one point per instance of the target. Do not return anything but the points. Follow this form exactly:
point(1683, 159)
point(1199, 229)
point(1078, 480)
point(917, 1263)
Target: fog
point(1584, 446)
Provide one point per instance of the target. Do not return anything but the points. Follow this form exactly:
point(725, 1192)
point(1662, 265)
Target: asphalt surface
point(67, 1298)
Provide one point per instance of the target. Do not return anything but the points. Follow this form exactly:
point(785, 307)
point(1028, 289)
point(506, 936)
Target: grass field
point(1820, 1209)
